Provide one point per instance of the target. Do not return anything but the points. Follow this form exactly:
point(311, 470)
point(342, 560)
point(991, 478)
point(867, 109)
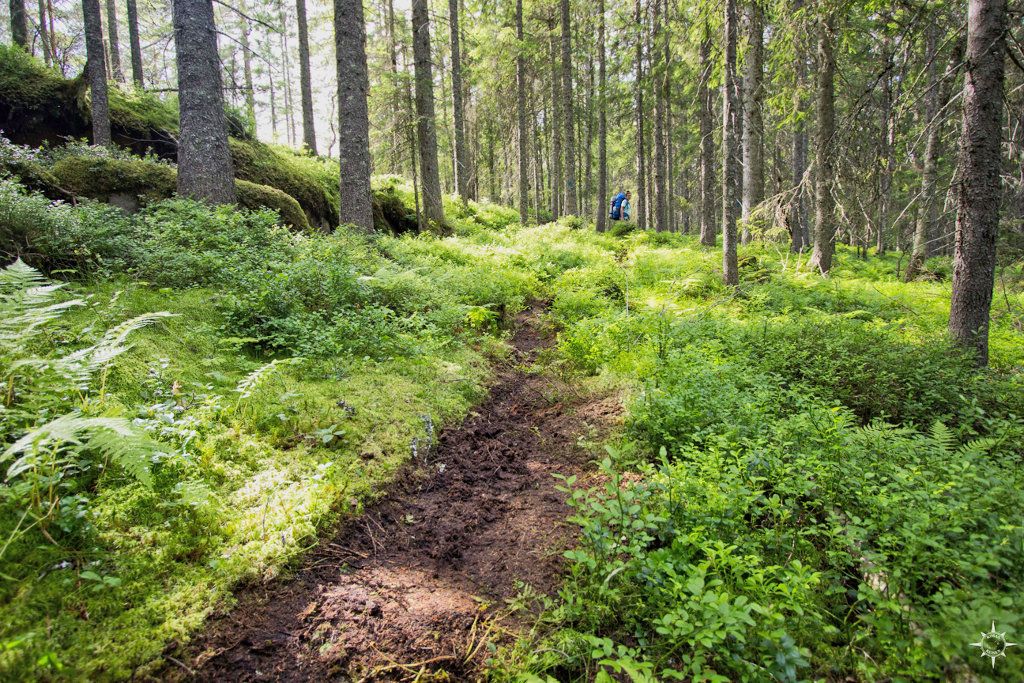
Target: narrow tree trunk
point(19, 25)
point(753, 123)
point(135, 44)
point(798, 229)
point(568, 112)
point(524, 182)
point(602, 122)
point(707, 143)
point(44, 34)
point(730, 267)
point(205, 169)
point(660, 188)
point(353, 114)
point(426, 125)
point(461, 163)
point(979, 191)
point(396, 108)
point(556, 129)
point(289, 102)
point(887, 154)
point(96, 65)
point(638, 94)
point(924, 230)
point(305, 80)
point(824, 205)
point(114, 41)
point(250, 93)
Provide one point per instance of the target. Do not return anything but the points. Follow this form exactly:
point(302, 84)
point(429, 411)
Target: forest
point(512, 340)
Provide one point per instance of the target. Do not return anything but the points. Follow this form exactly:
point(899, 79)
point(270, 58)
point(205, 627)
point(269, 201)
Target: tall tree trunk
point(798, 228)
point(305, 80)
point(730, 267)
point(426, 125)
point(556, 129)
point(707, 143)
point(458, 115)
point(924, 230)
point(19, 25)
point(602, 122)
point(289, 102)
point(250, 92)
point(114, 41)
point(568, 112)
point(660, 188)
point(524, 182)
point(96, 65)
point(44, 34)
point(824, 204)
point(396, 108)
point(979, 191)
point(887, 153)
point(753, 123)
point(205, 169)
point(638, 93)
point(135, 44)
point(353, 114)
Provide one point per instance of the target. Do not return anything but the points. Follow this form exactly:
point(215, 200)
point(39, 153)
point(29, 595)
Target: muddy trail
point(415, 588)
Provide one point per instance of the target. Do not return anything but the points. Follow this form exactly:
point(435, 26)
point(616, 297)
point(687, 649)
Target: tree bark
point(19, 25)
point(44, 34)
point(730, 267)
point(602, 122)
point(638, 94)
point(96, 65)
point(461, 156)
point(824, 204)
point(924, 229)
point(135, 44)
point(707, 143)
point(205, 169)
point(556, 175)
point(114, 41)
point(353, 114)
point(887, 153)
point(305, 79)
point(660, 180)
point(798, 229)
point(425, 123)
point(524, 181)
point(979, 191)
point(753, 122)
point(568, 112)
point(250, 93)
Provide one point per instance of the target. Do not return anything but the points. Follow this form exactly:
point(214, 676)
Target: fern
point(112, 437)
point(257, 377)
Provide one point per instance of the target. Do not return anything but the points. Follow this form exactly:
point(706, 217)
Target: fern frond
point(942, 437)
point(254, 379)
point(112, 436)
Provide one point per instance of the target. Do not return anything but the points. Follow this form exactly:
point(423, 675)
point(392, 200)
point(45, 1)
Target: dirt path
point(411, 589)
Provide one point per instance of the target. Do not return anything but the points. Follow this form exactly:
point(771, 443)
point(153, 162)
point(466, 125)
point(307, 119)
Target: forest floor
point(419, 584)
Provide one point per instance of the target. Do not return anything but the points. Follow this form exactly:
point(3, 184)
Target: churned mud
point(414, 588)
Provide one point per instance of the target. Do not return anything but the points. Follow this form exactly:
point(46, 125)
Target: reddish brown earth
point(414, 589)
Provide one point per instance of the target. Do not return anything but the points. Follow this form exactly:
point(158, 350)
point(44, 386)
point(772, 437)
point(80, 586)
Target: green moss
point(141, 111)
point(25, 82)
point(134, 182)
point(253, 196)
point(312, 182)
point(102, 178)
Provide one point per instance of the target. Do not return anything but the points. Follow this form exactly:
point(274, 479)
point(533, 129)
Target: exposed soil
point(414, 589)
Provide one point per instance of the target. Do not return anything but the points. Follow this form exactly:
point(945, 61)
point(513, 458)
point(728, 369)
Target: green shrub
point(189, 244)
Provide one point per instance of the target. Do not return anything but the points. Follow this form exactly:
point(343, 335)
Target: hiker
point(620, 206)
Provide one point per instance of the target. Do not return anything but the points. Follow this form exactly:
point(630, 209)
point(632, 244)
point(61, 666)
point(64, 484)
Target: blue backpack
point(617, 200)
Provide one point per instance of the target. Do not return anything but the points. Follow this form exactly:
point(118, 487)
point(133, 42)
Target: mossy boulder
point(253, 196)
point(390, 214)
point(311, 181)
point(133, 183)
